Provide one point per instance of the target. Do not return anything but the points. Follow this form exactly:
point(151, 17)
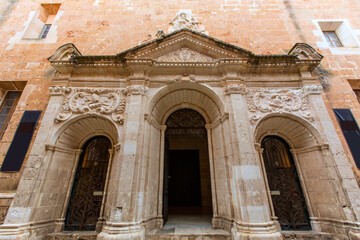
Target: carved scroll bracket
point(264, 101)
point(94, 101)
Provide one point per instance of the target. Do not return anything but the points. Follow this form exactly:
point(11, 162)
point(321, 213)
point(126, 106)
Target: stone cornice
point(218, 54)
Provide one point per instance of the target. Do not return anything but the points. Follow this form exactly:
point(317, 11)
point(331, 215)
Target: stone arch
point(62, 155)
point(205, 101)
point(296, 131)
point(310, 153)
point(74, 133)
point(185, 95)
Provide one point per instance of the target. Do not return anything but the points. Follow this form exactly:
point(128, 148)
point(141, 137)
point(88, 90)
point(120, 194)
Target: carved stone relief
point(58, 90)
point(93, 101)
point(234, 89)
point(183, 20)
point(136, 90)
point(264, 101)
point(185, 55)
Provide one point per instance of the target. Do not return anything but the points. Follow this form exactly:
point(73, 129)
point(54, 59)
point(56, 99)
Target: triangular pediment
point(187, 46)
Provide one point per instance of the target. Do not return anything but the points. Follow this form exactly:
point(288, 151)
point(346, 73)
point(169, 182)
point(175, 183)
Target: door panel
point(87, 192)
point(286, 193)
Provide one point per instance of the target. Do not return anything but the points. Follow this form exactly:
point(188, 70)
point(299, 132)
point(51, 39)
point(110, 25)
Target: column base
point(116, 231)
point(255, 231)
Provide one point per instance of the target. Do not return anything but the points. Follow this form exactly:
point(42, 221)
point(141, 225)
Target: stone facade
point(114, 81)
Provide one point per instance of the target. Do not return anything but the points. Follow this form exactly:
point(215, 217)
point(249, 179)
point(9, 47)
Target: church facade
point(122, 145)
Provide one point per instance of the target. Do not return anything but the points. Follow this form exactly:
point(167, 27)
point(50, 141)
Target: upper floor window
point(332, 39)
point(7, 108)
point(41, 22)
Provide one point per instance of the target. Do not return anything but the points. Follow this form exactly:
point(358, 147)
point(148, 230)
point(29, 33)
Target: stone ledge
point(72, 235)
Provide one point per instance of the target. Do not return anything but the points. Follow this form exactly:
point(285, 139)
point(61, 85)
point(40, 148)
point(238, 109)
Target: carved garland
point(263, 101)
point(277, 101)
point(184, 55)
point(92, 101)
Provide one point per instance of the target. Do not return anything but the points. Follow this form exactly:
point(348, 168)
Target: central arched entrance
point(187, 190)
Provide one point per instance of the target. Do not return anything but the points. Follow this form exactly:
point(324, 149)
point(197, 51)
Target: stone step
point(72, 235)
point(188, 233)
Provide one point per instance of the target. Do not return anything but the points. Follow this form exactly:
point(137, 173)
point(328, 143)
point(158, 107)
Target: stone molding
point(234, 89)
point(261, 102)
point(96, 101)
point(185, 55)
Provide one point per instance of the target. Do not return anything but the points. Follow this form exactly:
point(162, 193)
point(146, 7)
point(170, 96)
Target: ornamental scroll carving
point(93, 101)
point(184, 55)
point(265, 101)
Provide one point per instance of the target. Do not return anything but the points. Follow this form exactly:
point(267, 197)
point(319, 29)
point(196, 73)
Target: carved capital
point(312, 89)
point(136, 90)
point(264, 101)
point(58, 90)
point(94, 101)
point(234, 89)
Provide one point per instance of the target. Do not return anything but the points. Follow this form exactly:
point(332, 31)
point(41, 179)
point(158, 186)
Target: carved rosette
point(265, 101)
point(106, 102)
point(234, 89)
point(136, 90)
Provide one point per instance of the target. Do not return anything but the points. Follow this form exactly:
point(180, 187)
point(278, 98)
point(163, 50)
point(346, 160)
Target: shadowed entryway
point(187, 192)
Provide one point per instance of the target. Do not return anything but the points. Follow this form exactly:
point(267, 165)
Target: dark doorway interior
point(187, 190)
point(184, 179)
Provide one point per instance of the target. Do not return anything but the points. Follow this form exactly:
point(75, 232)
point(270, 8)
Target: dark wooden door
point(87, 192)
point(286, 193)
point(184, 178)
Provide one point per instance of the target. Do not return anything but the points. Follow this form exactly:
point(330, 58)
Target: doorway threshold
point(188, 220)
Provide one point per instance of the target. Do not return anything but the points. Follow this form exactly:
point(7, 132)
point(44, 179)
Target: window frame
point(12, 110)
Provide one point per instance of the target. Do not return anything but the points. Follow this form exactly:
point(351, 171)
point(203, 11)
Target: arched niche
point(62, 157)
point(310, 154)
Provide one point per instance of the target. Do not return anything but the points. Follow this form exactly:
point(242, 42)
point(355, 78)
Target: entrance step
point(188, 233)
point(72, 235)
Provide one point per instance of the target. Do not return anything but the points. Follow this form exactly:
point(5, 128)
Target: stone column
point(349, 193)
point(123, 222)
point(252, 219)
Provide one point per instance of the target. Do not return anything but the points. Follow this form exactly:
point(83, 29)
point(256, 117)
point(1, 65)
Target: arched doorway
point(89, 183)
point(286, 193)
point(187, 189)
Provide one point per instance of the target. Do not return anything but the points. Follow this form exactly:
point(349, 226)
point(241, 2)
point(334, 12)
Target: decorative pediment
point(184, 39)
point(184, 55)
point(186, 48)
